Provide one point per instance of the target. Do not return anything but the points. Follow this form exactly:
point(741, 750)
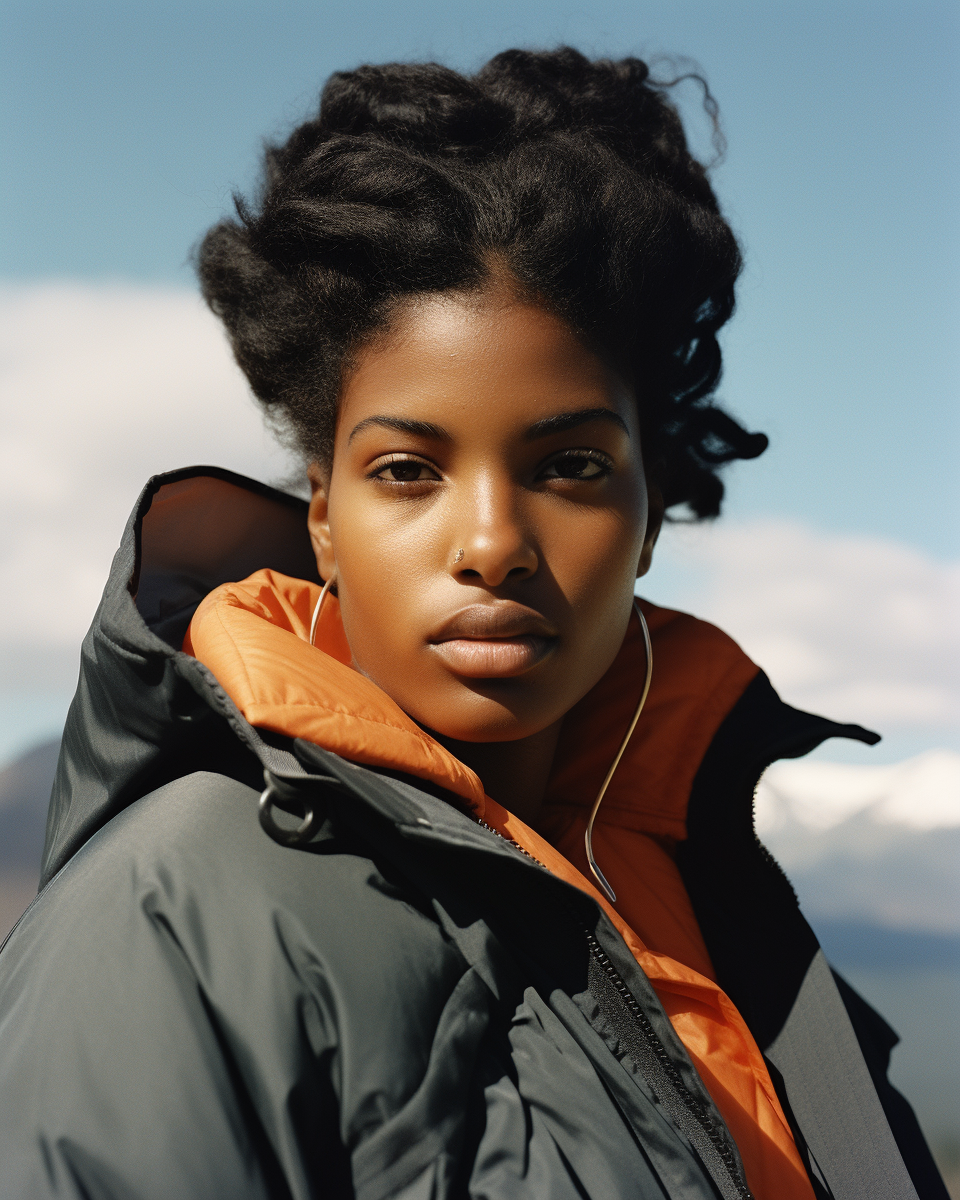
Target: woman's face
point(485, 515)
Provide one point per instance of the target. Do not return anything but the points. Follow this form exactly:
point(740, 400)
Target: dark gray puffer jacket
point(401, 1004)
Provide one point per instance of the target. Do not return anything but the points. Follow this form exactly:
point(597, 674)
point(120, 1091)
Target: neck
point(514, 774)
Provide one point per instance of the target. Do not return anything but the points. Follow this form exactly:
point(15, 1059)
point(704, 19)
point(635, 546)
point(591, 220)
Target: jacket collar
point(253, 635)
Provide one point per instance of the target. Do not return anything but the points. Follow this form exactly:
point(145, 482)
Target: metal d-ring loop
point(274, 790)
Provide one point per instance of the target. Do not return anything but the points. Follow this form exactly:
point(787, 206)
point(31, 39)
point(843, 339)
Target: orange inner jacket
point(253, 635)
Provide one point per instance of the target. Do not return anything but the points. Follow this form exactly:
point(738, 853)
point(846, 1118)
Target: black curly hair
point(572, 175)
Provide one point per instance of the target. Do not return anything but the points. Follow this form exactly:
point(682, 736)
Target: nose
point(491, 530)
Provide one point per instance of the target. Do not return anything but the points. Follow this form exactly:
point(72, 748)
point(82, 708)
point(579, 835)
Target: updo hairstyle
point(572, 176)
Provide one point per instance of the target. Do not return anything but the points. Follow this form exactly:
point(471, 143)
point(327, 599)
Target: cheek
point(594, 560)
point(595, 553)
point(383, 572)
point(382, 615)
point(596, 569)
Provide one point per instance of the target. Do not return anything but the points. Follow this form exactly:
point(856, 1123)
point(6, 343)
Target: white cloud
point(858, 628)
point(102, 387)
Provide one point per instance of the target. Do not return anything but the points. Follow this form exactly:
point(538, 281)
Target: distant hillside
point(24, 795)
point(865, 945)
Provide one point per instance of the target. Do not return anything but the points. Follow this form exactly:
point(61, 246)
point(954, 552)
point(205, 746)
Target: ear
point(655, 511)
point(318, 522)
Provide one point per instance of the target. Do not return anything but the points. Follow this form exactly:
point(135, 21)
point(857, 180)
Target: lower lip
point(481, 659)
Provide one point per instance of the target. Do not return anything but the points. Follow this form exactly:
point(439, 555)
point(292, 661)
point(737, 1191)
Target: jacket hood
point(146, 712)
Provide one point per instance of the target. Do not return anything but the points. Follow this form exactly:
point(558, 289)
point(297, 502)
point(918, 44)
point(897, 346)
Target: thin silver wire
point(316, 611)
point(588, 835)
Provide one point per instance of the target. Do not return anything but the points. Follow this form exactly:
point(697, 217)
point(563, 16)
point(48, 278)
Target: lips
point(494, 641)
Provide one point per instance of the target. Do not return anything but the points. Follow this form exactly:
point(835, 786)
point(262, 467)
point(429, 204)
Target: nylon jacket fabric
point(403, 1005)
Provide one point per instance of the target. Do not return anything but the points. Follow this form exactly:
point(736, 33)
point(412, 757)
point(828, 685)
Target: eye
point(577, 464)
point(404, 470)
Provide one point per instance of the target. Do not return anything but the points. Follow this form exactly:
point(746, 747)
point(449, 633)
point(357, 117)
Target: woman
point(497, 931)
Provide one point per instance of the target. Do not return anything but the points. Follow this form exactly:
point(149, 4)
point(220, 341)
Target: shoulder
point(175, 886)
point(184, 889)
point(184, 949)
point(191, 862)
point(195, 841)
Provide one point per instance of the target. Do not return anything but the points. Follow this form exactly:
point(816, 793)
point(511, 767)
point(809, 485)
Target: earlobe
point(318, 523)
point(655, 513)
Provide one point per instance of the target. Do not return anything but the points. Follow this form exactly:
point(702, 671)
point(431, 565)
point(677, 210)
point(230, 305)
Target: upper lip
point(494, 622)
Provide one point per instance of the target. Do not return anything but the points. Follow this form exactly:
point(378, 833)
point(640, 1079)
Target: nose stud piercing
point(459, 555)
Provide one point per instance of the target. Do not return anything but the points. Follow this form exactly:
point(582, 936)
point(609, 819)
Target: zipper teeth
point(510, 842)
point(650, 1035)
point(693, 1104)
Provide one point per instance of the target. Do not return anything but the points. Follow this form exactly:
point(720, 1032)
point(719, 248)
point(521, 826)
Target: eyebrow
point(571, 420)
point(424, 429)
point(539, 429)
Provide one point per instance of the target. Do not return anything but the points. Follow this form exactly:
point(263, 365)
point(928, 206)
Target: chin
point(484, 719)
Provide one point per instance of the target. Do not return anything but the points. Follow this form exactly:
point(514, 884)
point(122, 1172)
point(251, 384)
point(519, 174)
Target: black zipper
point(717, 1140)
point(701, 1116)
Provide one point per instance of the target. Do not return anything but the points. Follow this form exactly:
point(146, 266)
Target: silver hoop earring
point(316, 611)
point(588, 835)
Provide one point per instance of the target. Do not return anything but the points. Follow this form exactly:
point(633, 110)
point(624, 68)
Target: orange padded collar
point(282, 684)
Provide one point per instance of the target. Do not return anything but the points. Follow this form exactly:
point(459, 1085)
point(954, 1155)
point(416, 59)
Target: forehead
point(486, 358)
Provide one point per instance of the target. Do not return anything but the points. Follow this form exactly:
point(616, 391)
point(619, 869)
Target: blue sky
point(126, 126)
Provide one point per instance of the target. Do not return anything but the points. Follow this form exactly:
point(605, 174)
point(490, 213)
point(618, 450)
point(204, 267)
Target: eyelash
point(592, 456)
point(396, 460)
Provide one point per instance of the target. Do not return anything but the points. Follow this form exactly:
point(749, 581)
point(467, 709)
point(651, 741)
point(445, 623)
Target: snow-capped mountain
point(878, 845)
